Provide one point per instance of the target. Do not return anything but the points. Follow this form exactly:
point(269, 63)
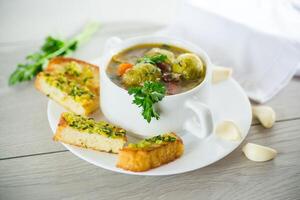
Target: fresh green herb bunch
point(146, 96)
point(51, 48)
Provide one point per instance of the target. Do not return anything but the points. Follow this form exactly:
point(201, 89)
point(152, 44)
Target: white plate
point(228, 102)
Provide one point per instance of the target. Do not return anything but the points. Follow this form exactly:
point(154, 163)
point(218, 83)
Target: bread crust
point(143, 159)
point(59, 60)
point(37, 83)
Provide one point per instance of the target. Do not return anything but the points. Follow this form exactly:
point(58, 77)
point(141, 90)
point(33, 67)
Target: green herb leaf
point(51, 48)
point(52, 44)
point(155, 59)
point(146, 96)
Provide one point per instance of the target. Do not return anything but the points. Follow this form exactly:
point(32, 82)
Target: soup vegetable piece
point(141, 73)
point(176, 70)
point(170, 57)
point(188, 65)
point(123, 68)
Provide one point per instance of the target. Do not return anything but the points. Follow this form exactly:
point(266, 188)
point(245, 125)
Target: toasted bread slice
point(150, 153)
point(74, 68)
point(87, 133)
point(72, 83)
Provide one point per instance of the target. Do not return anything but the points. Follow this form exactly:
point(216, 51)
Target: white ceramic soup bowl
point(186, 111)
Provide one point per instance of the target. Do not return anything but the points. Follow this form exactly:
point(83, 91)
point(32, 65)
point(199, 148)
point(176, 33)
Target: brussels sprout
point(140, 73)
point(188, 65)
point(156, 51)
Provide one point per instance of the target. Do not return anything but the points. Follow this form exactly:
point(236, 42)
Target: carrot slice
point(123, 67)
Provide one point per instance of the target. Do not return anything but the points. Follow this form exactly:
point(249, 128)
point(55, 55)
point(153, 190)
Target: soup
point(177, 68)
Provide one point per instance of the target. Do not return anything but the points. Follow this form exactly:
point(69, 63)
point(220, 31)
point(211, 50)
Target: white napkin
point(259, 39)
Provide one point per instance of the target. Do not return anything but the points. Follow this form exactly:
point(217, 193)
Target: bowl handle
point(201, 125)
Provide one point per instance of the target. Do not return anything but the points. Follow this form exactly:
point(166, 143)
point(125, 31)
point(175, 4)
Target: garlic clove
point(220, 74)
point(265, 115)
point(259, 153)
point(228, 130)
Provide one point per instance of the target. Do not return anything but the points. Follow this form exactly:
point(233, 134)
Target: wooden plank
point(62, 175)
point(24, 128)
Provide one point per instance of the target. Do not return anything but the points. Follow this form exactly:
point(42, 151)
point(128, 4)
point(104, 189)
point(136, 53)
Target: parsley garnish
point(146, 96)
point(155, 59)
point(52, 47)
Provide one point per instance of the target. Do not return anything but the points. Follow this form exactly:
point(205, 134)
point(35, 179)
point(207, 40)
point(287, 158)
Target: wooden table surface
point(32, 166)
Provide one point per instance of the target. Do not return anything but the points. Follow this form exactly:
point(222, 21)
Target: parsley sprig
point(146, 96)
point(52, 47)
point(155, 59)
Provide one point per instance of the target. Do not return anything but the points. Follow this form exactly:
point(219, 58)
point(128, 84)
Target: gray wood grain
point(64, 176)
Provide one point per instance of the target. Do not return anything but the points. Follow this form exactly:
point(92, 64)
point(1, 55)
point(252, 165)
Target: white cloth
point(259, 39)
